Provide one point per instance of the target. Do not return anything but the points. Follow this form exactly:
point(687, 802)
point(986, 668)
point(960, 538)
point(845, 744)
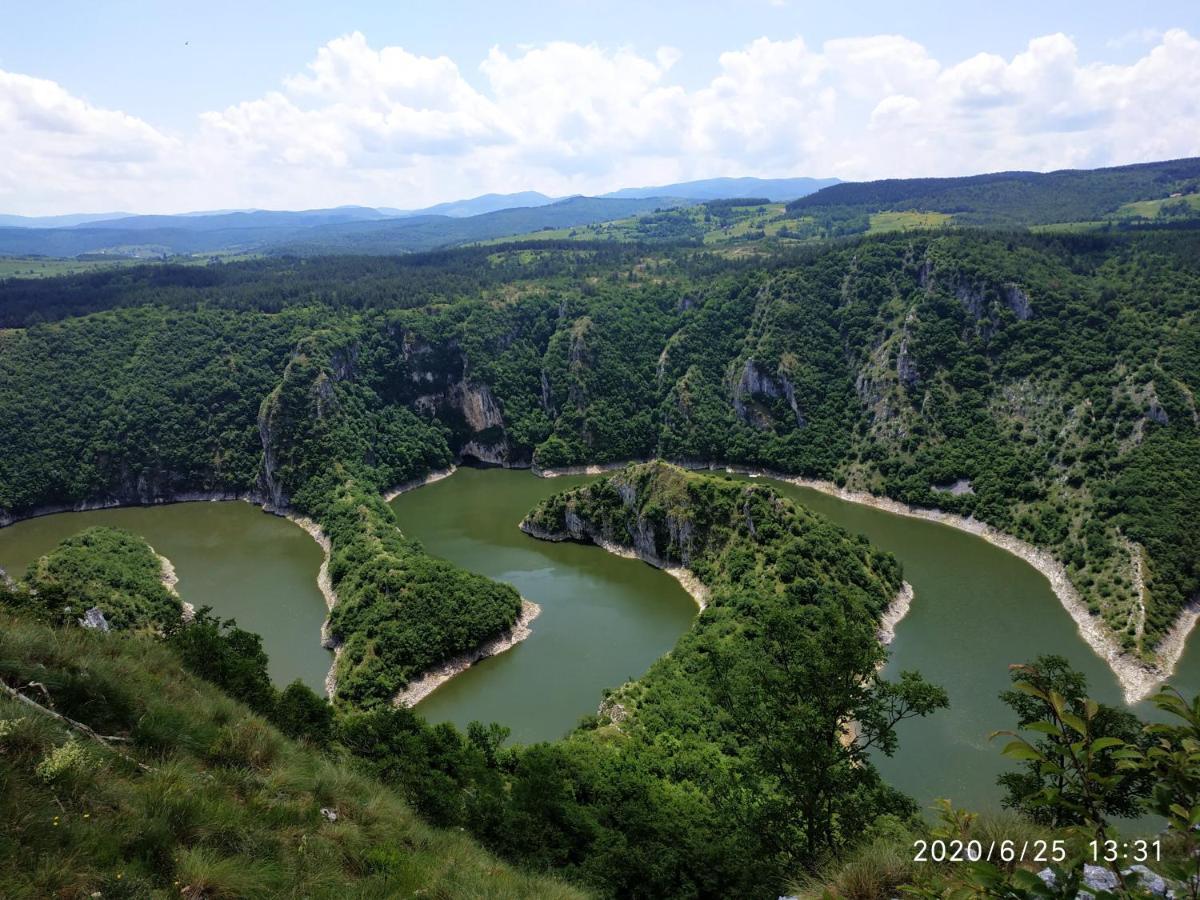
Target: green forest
point(1052, 377)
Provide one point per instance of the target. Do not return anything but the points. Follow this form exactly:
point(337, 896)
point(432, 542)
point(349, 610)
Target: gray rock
point(1018, 301)
point(1149, 880)
point(94, 618)
point(1099, 878)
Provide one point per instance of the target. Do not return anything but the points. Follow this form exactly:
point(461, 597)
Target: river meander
point(605, 618)
point(255, 568)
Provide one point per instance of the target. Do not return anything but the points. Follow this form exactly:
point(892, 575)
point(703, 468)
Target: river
point(247, 565)
point(606, 619)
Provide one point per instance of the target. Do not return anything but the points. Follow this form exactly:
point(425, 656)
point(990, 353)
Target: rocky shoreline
point(417, 690)
point(170, 581)
point(7, 518)
point(325, 585)
point(695, 588)
point(415, 483)
point(895, 612)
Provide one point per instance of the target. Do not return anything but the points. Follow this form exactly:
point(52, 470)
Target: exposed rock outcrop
point(906, 369)
point(755, 381)
point(477, 405)
point(94, 619)
point(1018, 301)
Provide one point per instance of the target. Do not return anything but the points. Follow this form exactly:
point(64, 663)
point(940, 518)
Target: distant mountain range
point(477, 206)
point(777, 190)
point(361, 229)
point(997, 199)
point(65, 221)
point(343, 230)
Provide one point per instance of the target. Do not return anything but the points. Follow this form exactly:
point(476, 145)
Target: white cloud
point(389, 127)
point(56, 150)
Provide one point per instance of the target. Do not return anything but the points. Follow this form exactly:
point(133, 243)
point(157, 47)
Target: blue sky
point(197, 105)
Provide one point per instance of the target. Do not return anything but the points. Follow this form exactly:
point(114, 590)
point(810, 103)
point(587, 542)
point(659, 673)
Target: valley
point(1037, 389)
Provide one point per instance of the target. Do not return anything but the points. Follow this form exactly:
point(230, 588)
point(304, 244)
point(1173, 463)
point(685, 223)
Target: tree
point(1045, 788)
point(301, 713)
point(218, 651)
point(805, 694)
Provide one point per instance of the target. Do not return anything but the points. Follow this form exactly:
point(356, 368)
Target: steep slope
point(189, 794)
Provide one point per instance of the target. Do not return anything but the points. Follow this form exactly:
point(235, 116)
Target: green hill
point(1007, 198)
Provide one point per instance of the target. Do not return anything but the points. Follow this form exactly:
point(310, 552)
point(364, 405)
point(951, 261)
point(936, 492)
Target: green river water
point(247, 565)
point(605, 619)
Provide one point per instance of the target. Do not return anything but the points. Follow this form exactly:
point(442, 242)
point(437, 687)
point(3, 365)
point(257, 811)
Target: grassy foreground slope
point(195, 796)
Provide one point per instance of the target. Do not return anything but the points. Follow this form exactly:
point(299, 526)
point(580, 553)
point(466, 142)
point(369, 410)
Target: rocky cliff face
point(663, 539)
point(756, 381)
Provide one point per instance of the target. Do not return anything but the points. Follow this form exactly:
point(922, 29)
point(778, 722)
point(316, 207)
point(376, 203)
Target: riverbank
point(325, 586)
point(695, 588)
point(1137, 678)
point(895, 612)
point(415, 483)
point(170, 581)
point(170, 578)
point(433, 678)
point(51, 509)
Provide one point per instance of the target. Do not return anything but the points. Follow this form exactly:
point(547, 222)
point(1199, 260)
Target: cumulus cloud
point(59, 148)
point(386, 126)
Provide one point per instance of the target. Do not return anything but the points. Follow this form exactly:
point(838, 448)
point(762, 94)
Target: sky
point(159, 108)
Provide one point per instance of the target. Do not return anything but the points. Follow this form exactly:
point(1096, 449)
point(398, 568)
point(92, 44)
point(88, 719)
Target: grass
point(47, 267)
point(222, 804)
point(734, 225)
point(1148, 209)
point(907, 220)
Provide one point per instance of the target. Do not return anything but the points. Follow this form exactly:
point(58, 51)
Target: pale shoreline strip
point(170, 580)
point(405, 487)
point(895, 613)
point(695, 588)
point(1136, 678)
point(417, 690)
point(325, 585)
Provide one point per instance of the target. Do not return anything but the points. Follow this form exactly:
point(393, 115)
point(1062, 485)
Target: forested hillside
point(1008, 198)
point(1044, 384)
